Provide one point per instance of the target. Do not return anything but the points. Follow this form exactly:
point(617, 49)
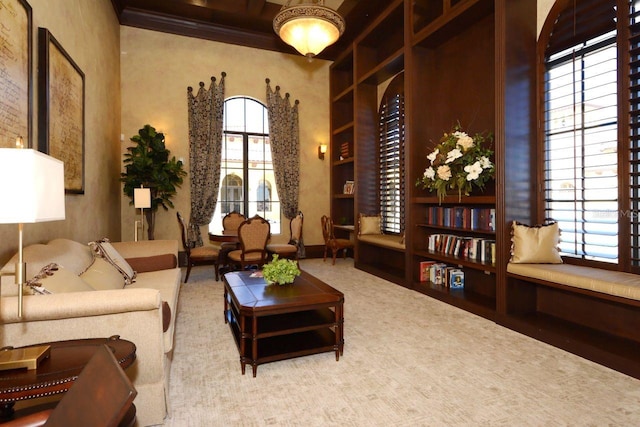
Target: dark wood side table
point(57, 373)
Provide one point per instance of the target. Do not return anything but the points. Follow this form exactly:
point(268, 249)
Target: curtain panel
point(205, 148)
point(285, 148)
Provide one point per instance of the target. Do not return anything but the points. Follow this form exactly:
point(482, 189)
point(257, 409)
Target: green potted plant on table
point(147, 163)
point(280, 271)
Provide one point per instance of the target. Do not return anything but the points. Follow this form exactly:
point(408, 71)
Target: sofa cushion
point(73, 256)
point(153, 263)
point(535, 245)
point(102, 275)
point(103, 248)
point(55, 279)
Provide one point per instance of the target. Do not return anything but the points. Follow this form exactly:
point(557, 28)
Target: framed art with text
point(61, 109)
point(15, 72)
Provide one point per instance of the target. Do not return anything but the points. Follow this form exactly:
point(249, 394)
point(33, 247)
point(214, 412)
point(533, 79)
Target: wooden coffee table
point(277, 322)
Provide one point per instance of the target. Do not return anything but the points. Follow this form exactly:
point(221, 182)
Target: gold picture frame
point(61, 109)
point(15, 72)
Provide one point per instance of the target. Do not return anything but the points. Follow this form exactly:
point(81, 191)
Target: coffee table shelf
point(270, 324)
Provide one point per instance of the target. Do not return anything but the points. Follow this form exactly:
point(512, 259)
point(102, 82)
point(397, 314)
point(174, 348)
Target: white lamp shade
point(32, 187)
point(142, 198)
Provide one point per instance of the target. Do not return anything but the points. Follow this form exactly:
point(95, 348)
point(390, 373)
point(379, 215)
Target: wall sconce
point(142, 201)
point(322, 148)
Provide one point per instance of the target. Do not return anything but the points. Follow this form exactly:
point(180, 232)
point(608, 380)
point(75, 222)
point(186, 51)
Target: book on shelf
point(345, 150)
point(463, 217)
point(425, 267)
point(465, 247)
point(456, 279)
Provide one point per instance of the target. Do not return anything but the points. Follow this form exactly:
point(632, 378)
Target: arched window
point(391, 157)
point(246, 168)
point(581, 129)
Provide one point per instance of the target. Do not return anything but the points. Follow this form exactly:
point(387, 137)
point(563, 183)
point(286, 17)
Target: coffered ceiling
point(241, 22)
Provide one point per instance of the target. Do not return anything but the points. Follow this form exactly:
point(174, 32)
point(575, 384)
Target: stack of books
point(345, 152)
point(441, 274)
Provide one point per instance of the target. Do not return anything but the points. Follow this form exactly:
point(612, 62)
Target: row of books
point(441, 274)
point(472, 248)
point(466, 217)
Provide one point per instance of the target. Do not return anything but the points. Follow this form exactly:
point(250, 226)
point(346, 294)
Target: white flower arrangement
point(459, 162)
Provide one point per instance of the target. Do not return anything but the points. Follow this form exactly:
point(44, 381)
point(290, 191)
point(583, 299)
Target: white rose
point(473, 171)
point(444, 172)
point(432, 156)
point(429, 173)
point(452, 155)
point(485, 162)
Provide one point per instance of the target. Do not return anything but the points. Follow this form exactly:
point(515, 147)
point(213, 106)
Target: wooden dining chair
point(232, 220)
point(289, 250)
point(331, 242)
point(253, 235)
point(201, 255)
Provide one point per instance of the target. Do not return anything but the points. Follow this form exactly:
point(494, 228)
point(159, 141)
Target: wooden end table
point(277, 322)
point(57, 373)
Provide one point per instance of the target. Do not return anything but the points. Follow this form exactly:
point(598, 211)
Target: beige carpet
point(409, 360)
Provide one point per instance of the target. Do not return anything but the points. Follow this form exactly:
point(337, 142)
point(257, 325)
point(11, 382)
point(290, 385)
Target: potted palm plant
point(148, 163)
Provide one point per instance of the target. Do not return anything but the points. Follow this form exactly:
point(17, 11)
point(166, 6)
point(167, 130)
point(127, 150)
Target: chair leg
point(335, 253)
point(325, 254)
point(216, 266)
point(186, 279)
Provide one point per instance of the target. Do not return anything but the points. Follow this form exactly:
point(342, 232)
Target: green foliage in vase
point(280, 271)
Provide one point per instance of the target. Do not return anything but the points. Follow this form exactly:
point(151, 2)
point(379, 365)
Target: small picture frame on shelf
point(349, 187)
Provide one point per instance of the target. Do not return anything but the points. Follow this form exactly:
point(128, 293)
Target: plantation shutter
point(581, 130)
point(634, 131)
point(391, 163)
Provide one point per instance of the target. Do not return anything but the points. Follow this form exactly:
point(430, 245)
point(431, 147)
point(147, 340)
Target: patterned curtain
point(205, 148)
point(285, 148)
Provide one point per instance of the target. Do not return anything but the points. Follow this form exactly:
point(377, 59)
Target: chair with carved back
point(253, 235)
point(289, 250)
point(331, 242)
point(201, 255)
point(232, 220)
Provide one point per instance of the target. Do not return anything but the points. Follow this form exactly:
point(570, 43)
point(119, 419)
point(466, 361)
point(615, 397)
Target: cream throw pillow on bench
point(369, 224)
point(535, 245)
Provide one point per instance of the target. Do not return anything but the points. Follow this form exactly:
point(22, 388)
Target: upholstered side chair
point(331, 242)
point(201, 255)
point(253, 235)
point(289, 250)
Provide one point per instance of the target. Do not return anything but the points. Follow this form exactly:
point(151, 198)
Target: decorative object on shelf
point(349, 187)
point(460, 163)
point(322, 149)
point(147, 163)
point(309, 26)
point(33, 191)
point(280, 271)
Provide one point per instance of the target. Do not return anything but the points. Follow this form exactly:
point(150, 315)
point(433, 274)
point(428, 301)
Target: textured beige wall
point(89, 32)
point(544, 6)
point(157, 68)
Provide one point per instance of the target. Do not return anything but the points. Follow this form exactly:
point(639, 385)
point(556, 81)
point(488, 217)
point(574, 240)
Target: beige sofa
point(134, 312)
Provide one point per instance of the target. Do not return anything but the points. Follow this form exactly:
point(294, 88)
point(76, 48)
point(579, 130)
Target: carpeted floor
point(409, 360)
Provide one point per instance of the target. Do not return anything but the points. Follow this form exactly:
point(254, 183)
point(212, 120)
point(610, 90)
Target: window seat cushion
point(617, 283)
point(392, 241)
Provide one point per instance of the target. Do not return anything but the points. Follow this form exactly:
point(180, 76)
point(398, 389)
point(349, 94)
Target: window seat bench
point(391, 241)
point(588, 311)
point(382, 255)
point(596, 280)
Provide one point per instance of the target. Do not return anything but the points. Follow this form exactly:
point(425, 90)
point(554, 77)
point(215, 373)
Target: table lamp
point(32, 190)
point(142, 201)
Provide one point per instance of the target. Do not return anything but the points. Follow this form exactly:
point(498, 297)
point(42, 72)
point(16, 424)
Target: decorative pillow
point(55, 279)
point(104, 249)
point(369, 224)
point(102, 275)
point(535, 245)
point(153, 263)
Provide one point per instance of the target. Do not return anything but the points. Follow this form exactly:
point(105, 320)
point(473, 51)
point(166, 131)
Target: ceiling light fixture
point(308, 27)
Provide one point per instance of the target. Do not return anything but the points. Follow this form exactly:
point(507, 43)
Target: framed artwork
point(61, 109)
point(15, 72)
